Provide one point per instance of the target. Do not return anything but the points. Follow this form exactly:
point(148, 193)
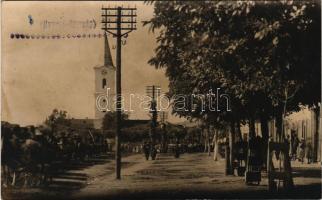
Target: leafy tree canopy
point(263, 54)
point(57, 117)
point(109, 120)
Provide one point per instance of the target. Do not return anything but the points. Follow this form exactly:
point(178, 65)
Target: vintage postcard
point(161, 99)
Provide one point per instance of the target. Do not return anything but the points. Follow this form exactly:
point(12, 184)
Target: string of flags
point(55, 36)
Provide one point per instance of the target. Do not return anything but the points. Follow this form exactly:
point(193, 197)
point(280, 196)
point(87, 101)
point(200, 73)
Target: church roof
point(108, 61)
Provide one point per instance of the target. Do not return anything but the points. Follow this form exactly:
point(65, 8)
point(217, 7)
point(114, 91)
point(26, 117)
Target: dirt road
point(190, 176)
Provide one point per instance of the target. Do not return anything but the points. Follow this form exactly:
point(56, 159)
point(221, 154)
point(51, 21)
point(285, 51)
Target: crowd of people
point(299, 148)
point(31, 154)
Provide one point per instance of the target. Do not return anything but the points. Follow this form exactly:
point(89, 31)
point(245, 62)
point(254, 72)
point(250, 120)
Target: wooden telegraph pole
point(163, 116)
point(153, 91)
point(123, 21)
point(163, 119)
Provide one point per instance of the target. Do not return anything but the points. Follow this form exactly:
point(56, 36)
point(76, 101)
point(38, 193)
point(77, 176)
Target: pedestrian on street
point(288, 142)
point(177, 149)
point(146, 150)
point(309, 153)
point(294, 144)
point(302, 150)
point(153, 152)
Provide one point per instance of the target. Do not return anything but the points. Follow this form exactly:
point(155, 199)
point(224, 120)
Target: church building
point(104, 92)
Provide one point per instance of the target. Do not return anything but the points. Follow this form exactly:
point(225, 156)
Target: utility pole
point(163, 117)
point(153, 92)
point(123, 21)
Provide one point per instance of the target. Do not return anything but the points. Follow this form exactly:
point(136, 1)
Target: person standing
point(302, 150)
point(146, 150)
point(177, 149)
point(153, 152)
point(309, 153)
point(294, 144)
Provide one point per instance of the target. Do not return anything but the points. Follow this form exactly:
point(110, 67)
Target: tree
point(265, 55)
point(109, 120)
point(57, 118)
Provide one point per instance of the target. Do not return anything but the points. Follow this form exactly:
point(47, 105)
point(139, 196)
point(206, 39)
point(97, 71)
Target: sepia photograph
point(161, 99)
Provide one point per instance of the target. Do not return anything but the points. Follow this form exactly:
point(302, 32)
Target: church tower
point(104, 86)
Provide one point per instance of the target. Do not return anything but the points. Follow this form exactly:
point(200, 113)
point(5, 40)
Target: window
point(103, 83)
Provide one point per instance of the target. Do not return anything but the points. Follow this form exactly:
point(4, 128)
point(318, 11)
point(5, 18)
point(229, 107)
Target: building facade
point(307, 126)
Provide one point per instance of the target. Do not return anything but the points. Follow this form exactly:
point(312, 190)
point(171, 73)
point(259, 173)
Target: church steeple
point(104, 82)
point(108, 62)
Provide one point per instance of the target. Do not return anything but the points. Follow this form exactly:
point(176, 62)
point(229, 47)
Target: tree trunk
point(227, 163)
point(207, 142)
point(204, 140)
point(231, 146)
point(252, 132)
point(239, 133)
point(199, 136)
point(215, 143)
point(287, 162)
point(265, 135)
point(278, 125)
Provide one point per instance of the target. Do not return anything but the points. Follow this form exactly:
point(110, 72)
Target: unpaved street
point(190, 176)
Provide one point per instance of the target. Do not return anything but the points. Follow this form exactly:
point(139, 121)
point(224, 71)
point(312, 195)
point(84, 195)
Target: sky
point(42, 74)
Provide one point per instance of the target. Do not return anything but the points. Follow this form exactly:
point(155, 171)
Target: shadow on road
point(67, 178)
point(304, 172)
